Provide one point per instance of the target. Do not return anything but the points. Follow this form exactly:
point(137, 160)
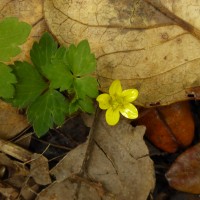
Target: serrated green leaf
point(30, 84)
point(7, 79)
point(60, 55)
point(86, 86)
point(73, 106)
point(87, 105)
point(59, 76)
point(70, 56)
point(58, 71)
point(81, 60)
point(42, 52)
point(12, 34)
point(46, 110)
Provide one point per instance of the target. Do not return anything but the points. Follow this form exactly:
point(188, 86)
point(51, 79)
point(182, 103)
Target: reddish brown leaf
point(184, 174)
point(169, 127)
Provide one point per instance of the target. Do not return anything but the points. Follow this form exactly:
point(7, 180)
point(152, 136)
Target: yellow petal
point(130, 95)
point(104, 101)
point(129, 111)
point(115, 88)
point(112, 116)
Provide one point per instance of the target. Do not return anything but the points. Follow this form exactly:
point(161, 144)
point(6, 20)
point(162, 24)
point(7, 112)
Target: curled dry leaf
point(30, 11)
point(133, 42)
point(184, 174)
point(114, 165)
point(169, 127)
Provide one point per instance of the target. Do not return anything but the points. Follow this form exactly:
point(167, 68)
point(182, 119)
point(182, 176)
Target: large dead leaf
point(30, 11)
point(186, 13)
point(133, 42)
point(113, 164)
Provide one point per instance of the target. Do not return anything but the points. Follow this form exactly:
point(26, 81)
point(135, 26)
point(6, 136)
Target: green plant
point(12, 34)
point(56, 84)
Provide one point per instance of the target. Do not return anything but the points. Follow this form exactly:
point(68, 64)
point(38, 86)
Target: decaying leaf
point(71, 164)
point(11, 121)
point(7, 191)
point(29, 11)
point(29, 192)
point(113, 164)
point(132, 42)
point(17, 172)
point(184, 174)
point(40, 169)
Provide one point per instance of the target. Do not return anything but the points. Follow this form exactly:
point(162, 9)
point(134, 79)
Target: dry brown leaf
point(59, 191)
point(114, 165)
point(17, 172)
point(11, 121)
point(184, 174)
point(137, 44)
point(71, 164)
point(29, 192)
point(8, 192)
point(40, 169)
point(30, 11)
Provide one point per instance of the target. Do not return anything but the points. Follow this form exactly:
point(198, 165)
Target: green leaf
point(7, 79)
point(48, 109)
point(59, 76)
point(73, 106)
point(58, 71)
point(12, 34)
point(30, 84)
point(81, 60)
point(42, 52)
point(87, 105)
point(86, 86)
point(60, 55)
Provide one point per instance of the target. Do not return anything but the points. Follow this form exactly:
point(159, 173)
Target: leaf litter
point(167, 36)
point(101, 169)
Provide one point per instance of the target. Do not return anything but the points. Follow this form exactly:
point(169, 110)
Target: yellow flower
point(118, 101)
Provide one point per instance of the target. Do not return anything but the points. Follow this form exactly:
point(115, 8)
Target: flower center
point(117, 102)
